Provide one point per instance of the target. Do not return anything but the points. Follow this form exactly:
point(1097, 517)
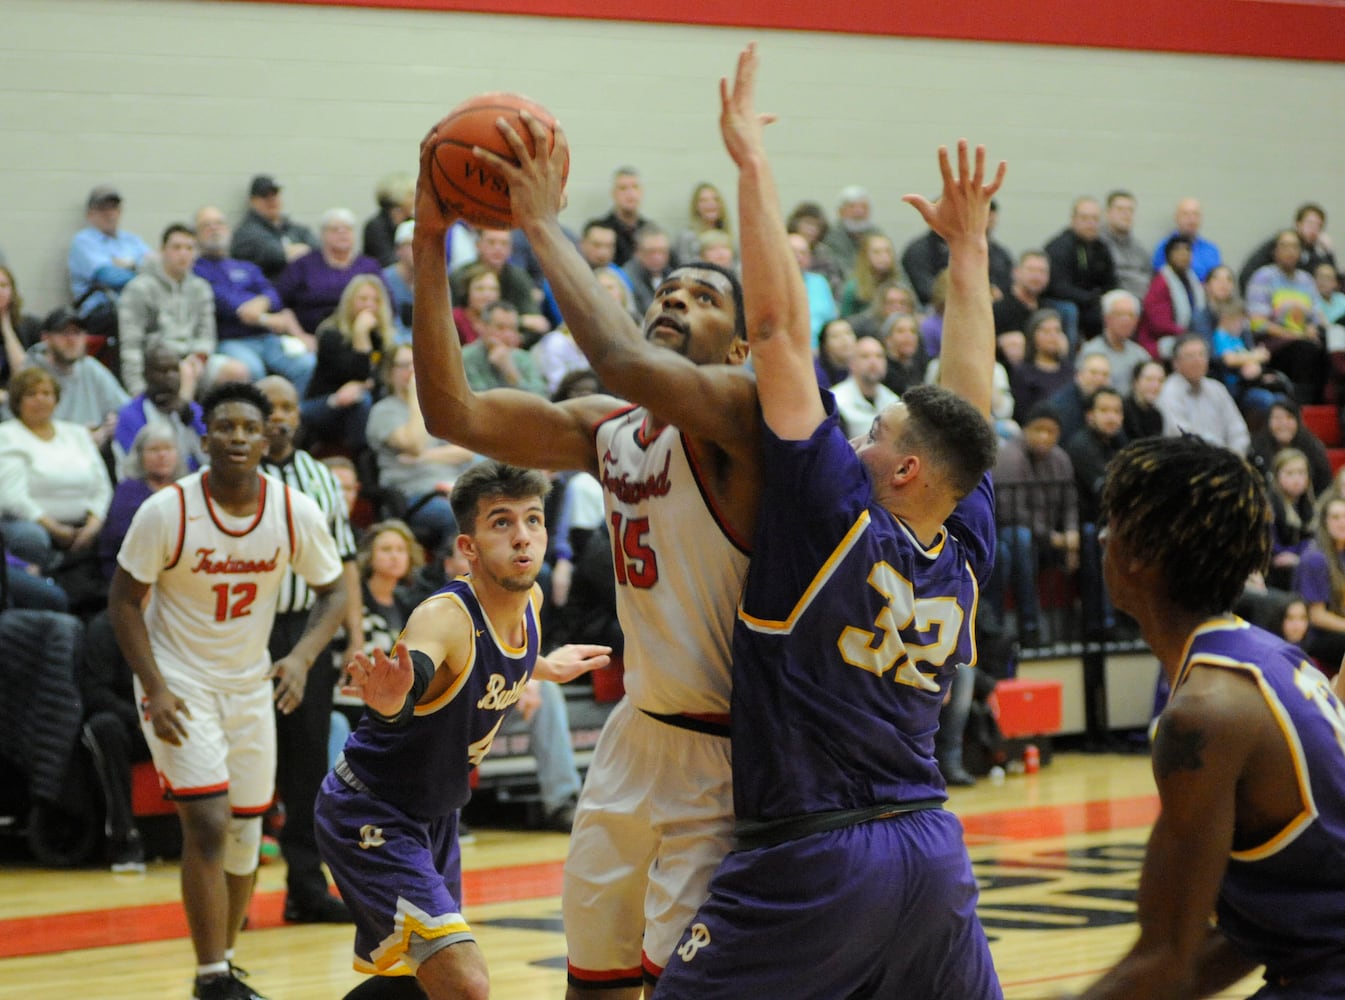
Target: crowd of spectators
point(1100, 340)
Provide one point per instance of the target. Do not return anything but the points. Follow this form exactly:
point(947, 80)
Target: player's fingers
point(978, 171)
point(513, 139)
point(945, 165)
point(768, 119)
point(921, 204)
point(993, 186)
point(963, 167)
point(496, 161)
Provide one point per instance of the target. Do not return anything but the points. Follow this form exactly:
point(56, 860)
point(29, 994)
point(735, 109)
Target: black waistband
point(690, 722)
point(754, 833)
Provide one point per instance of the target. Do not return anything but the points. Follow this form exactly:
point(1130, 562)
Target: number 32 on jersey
point(880, 648)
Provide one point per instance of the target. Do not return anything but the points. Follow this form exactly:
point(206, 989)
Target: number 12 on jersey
point(243, 595)
point(632, 558)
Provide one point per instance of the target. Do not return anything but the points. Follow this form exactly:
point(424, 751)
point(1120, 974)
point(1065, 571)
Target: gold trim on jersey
point(410, 919)
point(430, 707)
point(1308, 814)
point(818, 582)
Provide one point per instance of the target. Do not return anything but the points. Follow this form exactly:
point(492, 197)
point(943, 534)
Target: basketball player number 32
point(233, 601)
point(941, 616)
point(633, 559)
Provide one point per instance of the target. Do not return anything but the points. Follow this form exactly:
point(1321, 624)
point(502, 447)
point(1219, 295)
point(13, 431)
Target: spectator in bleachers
point(250, 321)
point(498, 359)
point(1193, 403)
point(1187, 218)
point(312, 284)
point(17, 330)
point(1031, 276)
point(844, 238)
point(481, 290)
point(862, 396)
point(875, 262)
point(351, 344)
point(1314, 246)
point(396, 195)
point(931, 324)
point(493, 247)
point(399, 279)
point(1037, 512)
point(835, 344)
point(102, 253)
point(1071, 402)
point(153, 460)
point(1081, 266)
point(625, 219)
point(1289, 316)
point(167, 303)
point(1046, 368)
point(1292, 504)
point(1220, 287)
point(1174, 299)
point(267, 237)
point(809, 221)
point(648, 266)
point(906, 356)
point(54, 487)
point(1243, 365)
point(422, 468)
point(1328, 287)
point(1321, 581)
point(160, 403)
point(717, 247)
point(821, 303)
point(557, 355)
point(708, 211)
point(1129, 255)
point(1143, 418)
point(1120, 318)
point(891, 298)
point(1284, 429)
point(90, 395)
point(597, 246)
point(1001, 258)
point(1090, 449)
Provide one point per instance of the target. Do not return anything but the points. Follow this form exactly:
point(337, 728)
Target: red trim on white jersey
point(181, 525)
point(256, 518)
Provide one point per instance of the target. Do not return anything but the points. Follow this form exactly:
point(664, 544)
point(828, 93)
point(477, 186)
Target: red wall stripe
point(1281, 29)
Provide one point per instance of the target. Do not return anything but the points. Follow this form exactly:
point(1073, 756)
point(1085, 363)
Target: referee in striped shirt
point(301, 736)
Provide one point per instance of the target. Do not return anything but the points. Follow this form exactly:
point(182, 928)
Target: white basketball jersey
point(214, 577)
point(679, 573)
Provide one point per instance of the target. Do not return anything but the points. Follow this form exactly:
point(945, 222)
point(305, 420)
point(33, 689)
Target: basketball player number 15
point(633, 559)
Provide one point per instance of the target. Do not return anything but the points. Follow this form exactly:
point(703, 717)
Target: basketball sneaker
point(225, 986)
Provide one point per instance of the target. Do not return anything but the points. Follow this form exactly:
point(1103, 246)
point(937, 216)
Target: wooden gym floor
point(1057, 854)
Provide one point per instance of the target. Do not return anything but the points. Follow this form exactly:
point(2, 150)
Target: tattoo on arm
point(1177, 749)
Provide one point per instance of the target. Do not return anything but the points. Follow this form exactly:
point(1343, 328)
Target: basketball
point(465, 184)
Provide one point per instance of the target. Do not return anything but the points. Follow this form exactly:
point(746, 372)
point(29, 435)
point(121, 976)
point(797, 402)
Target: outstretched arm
point(565, 663)
point(505, 424)
point(967, 363)
point(712, 402)
point(774, 296)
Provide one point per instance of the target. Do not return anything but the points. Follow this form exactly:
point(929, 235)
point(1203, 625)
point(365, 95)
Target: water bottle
point(1031, 759)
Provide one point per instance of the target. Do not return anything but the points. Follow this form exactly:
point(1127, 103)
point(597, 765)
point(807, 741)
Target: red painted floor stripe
point(57, 932)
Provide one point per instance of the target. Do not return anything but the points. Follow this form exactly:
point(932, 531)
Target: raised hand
point(381, 683)
point(963, 209)
point(431, 210)
point(537, 181)
point(739, 122)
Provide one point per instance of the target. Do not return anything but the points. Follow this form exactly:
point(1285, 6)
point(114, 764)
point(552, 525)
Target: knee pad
point(242, 844)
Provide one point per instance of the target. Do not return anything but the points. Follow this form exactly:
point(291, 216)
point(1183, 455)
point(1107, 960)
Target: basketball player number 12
point(243, 593)
point(633, 559)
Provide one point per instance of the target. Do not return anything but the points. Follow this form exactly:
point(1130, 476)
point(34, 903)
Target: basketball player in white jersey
point(210, 553)
point(680, 476)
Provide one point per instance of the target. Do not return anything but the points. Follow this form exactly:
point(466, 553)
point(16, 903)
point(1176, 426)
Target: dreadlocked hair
point(1196, 510)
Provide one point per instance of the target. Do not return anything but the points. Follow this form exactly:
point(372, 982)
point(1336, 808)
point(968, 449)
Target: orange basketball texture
point(466, 185)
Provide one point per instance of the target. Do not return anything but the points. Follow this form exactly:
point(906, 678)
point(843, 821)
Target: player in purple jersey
point(848, 879)
point(1249, 754)
point(387, 814)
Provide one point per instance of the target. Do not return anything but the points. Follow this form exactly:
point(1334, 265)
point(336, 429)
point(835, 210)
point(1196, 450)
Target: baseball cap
point(104, 195)
point(263, 186)
point(61, 317)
